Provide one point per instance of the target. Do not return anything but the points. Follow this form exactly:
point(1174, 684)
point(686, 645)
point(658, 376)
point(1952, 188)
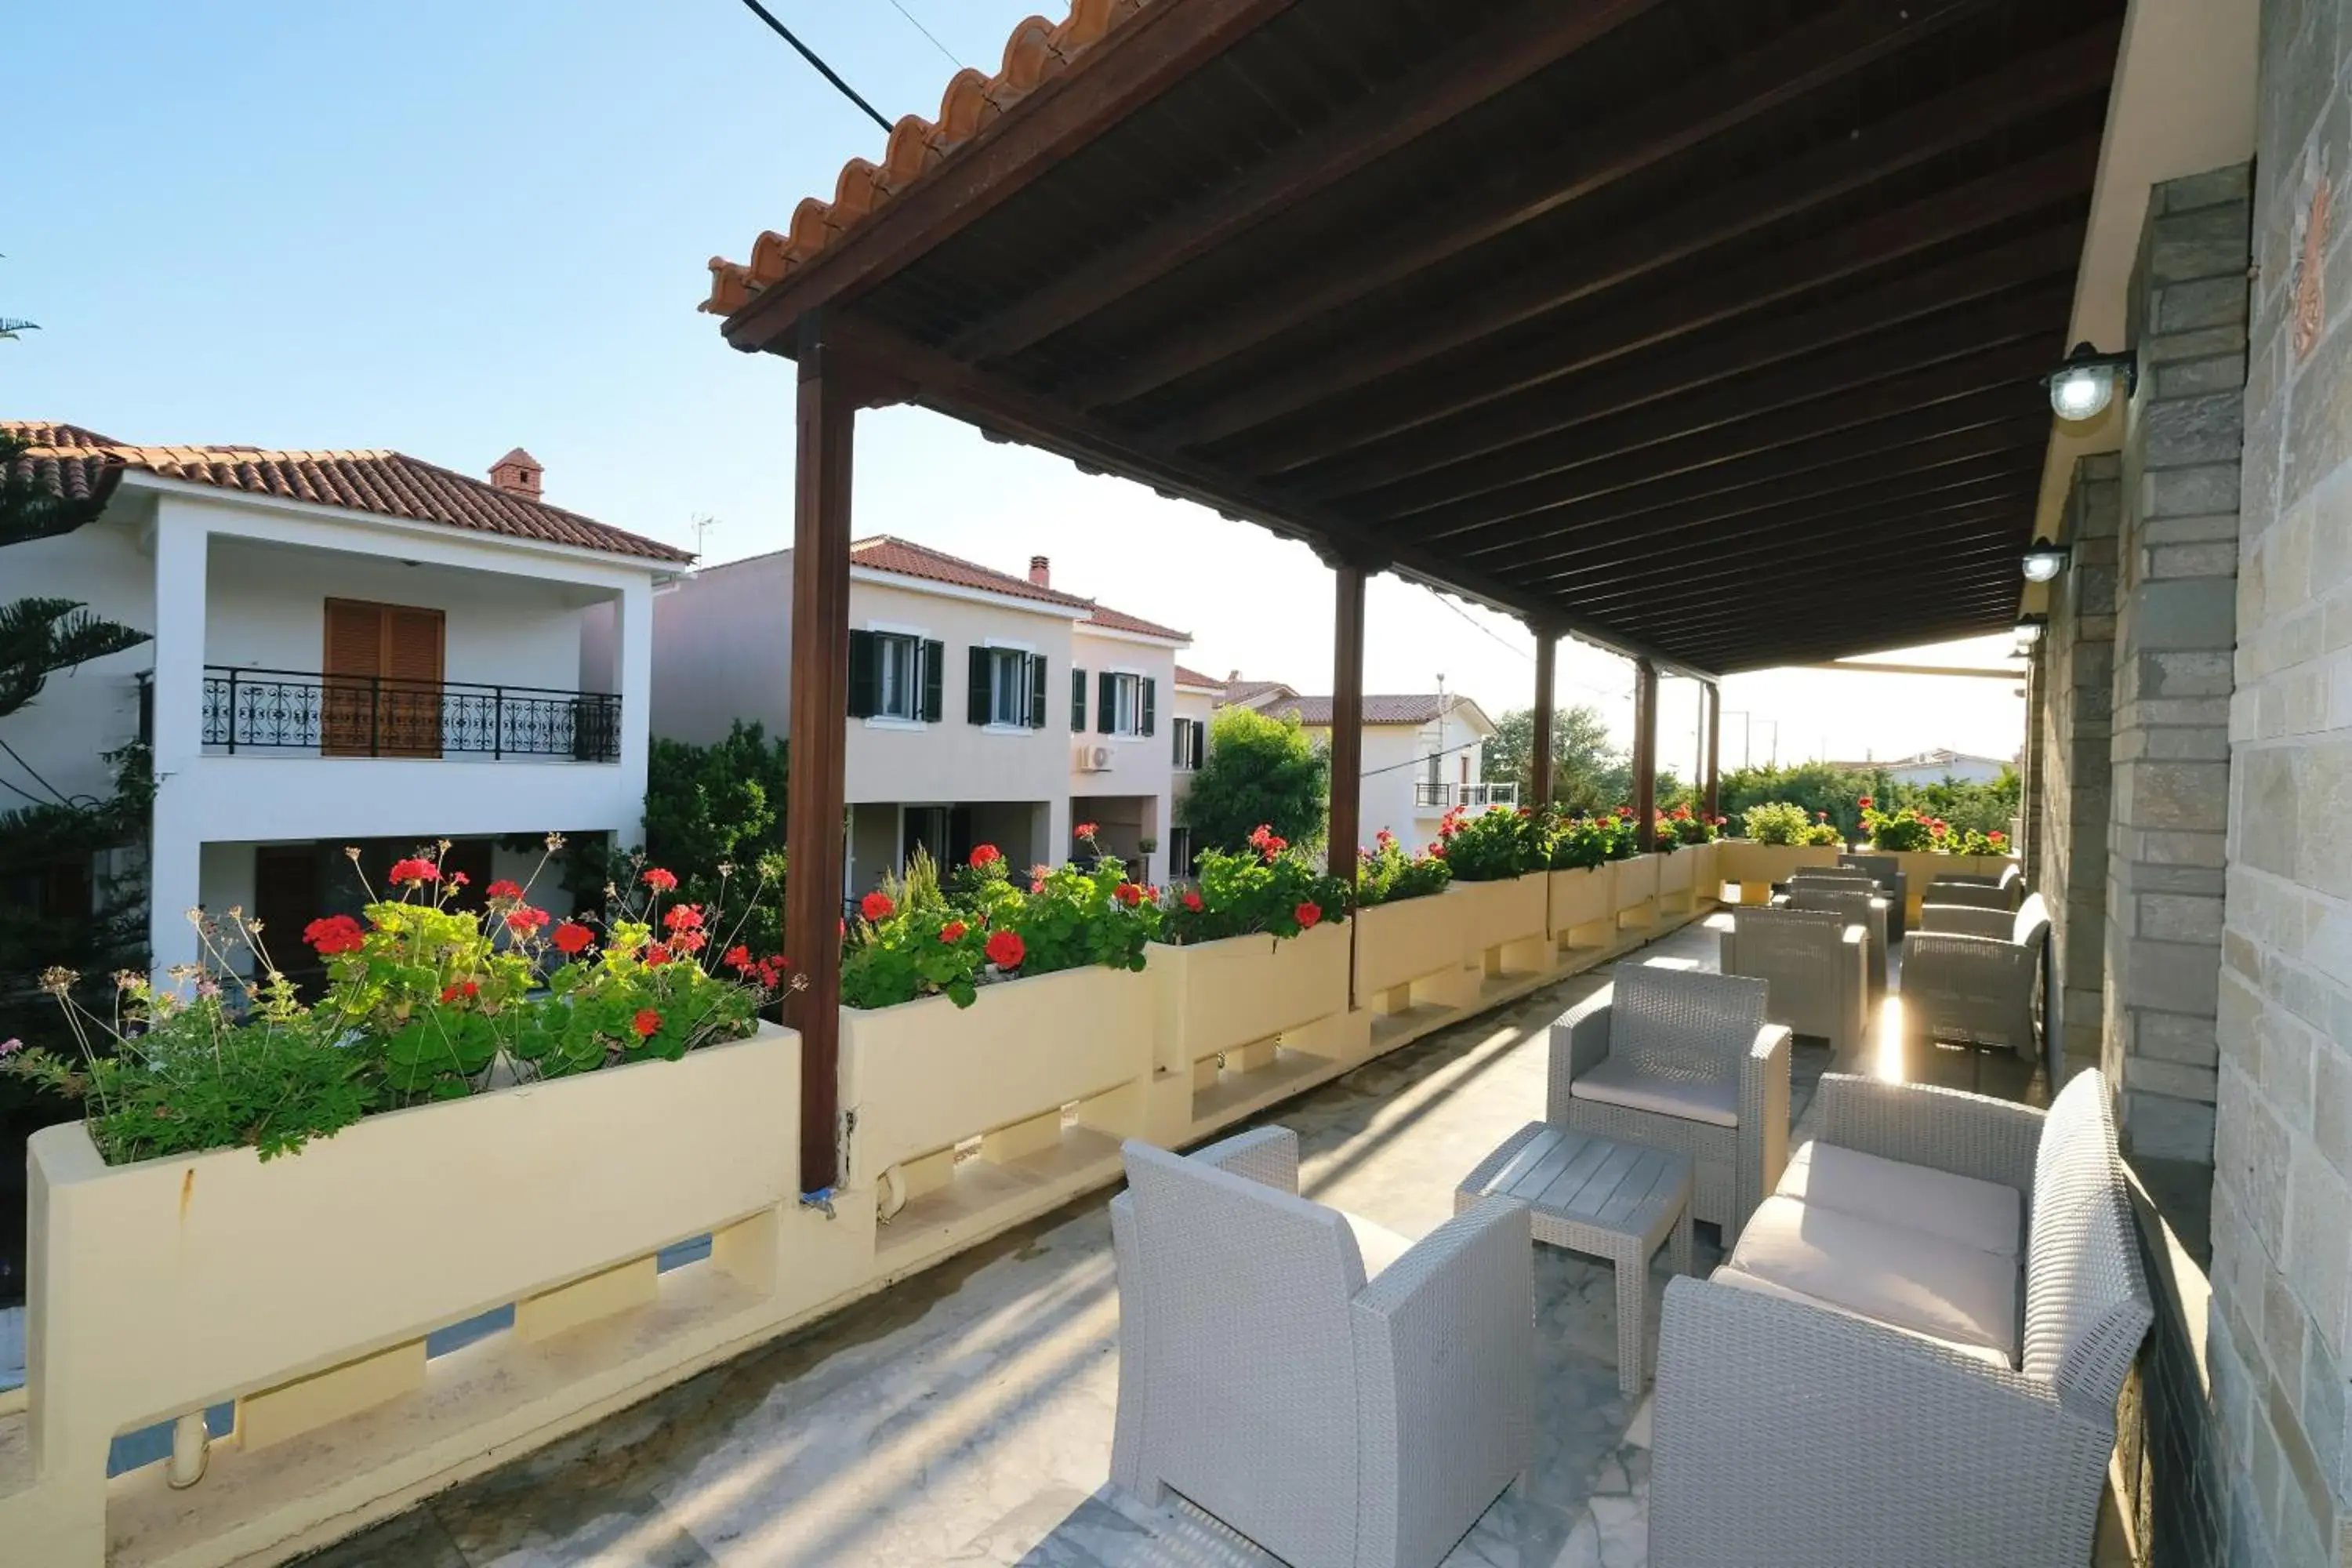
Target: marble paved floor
point(965, 1415)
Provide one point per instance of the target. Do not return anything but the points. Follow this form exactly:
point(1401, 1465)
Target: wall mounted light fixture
point(2082, 388)
point(2044, 561)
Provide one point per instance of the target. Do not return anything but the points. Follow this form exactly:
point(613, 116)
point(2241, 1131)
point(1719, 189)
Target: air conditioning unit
point(1093, 758)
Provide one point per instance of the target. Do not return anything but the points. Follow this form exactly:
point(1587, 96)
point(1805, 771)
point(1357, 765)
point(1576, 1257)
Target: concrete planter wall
point(1400, 943)
point(1675, 870)
point(1219, 996)
point(303, 1288)
point(1754, 866)
point(1582, 910)
point(1496, 914)
point(923, 1075)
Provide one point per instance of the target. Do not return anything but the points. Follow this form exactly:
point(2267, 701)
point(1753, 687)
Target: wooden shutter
point(353, 659)
point(1106, 702)
point(864, 674)
point(1150, 703)
point(935, 675)
point(1036, 691)
point(412, 684)
point(977, 696)
point(1077, 701)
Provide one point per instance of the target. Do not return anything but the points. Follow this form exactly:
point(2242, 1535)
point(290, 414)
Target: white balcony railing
point(1438, 797)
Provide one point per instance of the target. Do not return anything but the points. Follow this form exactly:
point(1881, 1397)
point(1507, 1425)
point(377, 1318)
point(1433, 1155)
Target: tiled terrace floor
point(965, 1416)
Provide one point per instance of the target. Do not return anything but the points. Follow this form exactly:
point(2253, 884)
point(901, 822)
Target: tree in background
point(1258, 770)
point(1819, 786)
point(1587, 775)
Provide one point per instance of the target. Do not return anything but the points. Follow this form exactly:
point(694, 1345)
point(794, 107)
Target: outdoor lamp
point(2044, 561)
point(2084, 387)
point(2028, 632)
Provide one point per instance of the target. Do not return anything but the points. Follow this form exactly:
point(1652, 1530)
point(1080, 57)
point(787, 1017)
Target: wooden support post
point(1347, 720)
point(1714, 749)
point(1645, 755)
point(820, 683)
point(1539, 771)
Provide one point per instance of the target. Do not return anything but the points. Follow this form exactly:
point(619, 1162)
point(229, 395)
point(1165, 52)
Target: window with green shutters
point(894, 675)
point(1077, 701)
point(1126, 704)
point(1007, 689)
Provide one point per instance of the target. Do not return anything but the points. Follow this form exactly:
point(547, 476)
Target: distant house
point(351, 647)
point(1936, 766)
point(1424, 751)
point(984, 708)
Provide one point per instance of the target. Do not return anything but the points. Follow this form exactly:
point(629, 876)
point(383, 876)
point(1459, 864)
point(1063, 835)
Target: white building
point(1937, 766)
point(983, 708)
point(348, 648)
point(1423, 753)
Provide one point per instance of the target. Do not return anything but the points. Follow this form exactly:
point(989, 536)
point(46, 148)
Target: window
point(381, 691)
point(1180, 851)
point(1077, 701)
point(1008, 688)
point(1192, 743)
point(895, 675)
point(1124, 703)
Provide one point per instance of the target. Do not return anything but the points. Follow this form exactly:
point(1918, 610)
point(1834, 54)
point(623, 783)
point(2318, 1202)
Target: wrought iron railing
point(385, 716)
point(1469, 796)
point(1425, 793)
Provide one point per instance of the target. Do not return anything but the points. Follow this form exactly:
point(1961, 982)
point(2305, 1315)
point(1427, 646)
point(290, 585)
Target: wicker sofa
point(1342, 1396)
point(1857, 1384)
point(1685, 1061)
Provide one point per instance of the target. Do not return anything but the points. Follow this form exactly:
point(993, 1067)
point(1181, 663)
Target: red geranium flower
point(985, 854)
point(683, 917)
point(525, 921)
point(1997, 836)
point(656, 955)
point(876, 906)
point(1085, 830)
point(334, 934)
point(1192, 900)
point(501, 888)
point(1129, 894)
point(1006, 950)
point(1864, 803)
point(1308, 914)
point(572, 936)
point(1624, 811)
point(646, 1023)
point(953, 932)
point(458, 878)
point(690, 940)
point(415, 873)
point(659, 880)
point(466, 988)
point(737, 958)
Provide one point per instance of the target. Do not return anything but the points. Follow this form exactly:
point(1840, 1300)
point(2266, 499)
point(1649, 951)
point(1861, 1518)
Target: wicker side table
point(1600, 1196)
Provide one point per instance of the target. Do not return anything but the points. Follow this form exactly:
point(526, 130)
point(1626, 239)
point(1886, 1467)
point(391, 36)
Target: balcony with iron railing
point(1438, 796)
point(277, 711)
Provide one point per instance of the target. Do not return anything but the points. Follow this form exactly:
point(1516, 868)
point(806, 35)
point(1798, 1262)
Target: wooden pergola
point(1709, 331)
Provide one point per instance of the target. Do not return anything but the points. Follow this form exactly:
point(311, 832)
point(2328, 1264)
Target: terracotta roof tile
point(1195, 677)
point(886, 552)
point(1120, 621)
point(1038, 51)
point(388, 484)
point(1315, 712)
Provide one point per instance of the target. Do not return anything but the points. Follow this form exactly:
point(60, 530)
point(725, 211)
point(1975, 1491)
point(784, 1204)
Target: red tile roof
point(888, 553)
point(1195, 677)
point(1315, 712)
point(388, 484)
point(1036, 52)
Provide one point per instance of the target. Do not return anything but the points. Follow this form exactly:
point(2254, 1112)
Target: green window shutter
point(935, 670)
point(1077, 701)
point(976, 705)
point(864, 674)
point(1036, 691)
point(1106, 701)
point(1150, 703)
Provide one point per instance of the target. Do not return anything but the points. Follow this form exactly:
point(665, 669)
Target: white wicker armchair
point(1686, 1061)
point(1966, 920)
point(1976, 988)
point(1971, 894)
point(1854, 903)
point(1801, 1428)
point(1818, 966)
point(1887, 870)
point(1340, 1413)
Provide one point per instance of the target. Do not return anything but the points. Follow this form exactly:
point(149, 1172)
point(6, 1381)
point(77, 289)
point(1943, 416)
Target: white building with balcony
point(348, 648)
point(983, 708)
point(1422, 753)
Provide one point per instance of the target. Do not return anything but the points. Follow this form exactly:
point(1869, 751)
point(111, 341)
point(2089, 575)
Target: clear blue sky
point(456, 227)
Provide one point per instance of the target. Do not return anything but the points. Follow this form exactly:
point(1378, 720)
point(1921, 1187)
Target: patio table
point(1603, 1196)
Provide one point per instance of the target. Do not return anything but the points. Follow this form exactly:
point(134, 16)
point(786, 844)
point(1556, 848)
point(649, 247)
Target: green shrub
point(1385, 874)
point(1779, 822)
point(1270, 888)
point(1497, 844)
point(1587, 841)
point(1259, 772)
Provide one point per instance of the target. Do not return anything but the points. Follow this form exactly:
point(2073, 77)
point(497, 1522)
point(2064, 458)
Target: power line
point(1481, 626)
point(919, 26)
point(810, 55)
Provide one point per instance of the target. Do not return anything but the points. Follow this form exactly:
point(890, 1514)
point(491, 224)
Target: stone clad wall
point(2279, 1344)
point(2075, 676)
point(2176, 626)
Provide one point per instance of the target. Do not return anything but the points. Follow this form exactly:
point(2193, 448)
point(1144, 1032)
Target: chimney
point(1041, 570)
point(1235, 678)
point(516, 474)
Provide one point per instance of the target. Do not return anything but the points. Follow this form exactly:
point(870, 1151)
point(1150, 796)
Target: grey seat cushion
point(1983, 1215)
point(1902, 1277)
point(1617, 1082)
point(1379, 1245)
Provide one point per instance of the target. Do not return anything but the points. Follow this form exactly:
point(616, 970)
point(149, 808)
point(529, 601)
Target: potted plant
point(1501, 860)
point(1405, 931)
